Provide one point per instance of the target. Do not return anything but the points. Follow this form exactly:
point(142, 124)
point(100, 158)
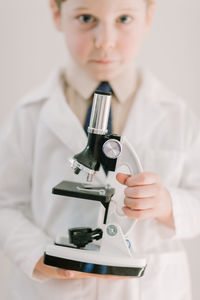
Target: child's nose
point(105, 37)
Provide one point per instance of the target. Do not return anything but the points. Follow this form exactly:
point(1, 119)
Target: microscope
point(105, 250)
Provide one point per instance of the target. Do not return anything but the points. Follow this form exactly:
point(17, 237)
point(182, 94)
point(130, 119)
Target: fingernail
point(70, 274)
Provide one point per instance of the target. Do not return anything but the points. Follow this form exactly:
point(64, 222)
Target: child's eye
point(125, 19)
point(86, 19)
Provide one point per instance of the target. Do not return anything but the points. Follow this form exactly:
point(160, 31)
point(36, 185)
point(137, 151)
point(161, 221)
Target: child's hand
point(49, 271)
point(58, 273)
point(146, 197)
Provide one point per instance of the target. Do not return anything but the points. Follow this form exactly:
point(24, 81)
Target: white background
point(30, 48)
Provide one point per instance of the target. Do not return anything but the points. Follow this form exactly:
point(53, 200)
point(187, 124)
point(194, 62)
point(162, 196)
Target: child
point(46, 129)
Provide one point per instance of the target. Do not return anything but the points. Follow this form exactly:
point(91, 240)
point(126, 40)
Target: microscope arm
point(130, 159)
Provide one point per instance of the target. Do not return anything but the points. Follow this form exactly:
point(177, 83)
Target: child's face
point(103, 36)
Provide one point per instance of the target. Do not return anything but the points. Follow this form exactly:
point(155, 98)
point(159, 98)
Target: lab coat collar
point(123, 86)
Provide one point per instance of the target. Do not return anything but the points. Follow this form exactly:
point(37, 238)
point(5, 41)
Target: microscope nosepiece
point(77, 168)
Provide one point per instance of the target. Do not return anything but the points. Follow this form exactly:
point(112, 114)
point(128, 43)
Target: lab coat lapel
point(62, 121)
point(146, 111)
point(59, 117)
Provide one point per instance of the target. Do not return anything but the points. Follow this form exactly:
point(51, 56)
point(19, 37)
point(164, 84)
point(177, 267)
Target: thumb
point(121, 177)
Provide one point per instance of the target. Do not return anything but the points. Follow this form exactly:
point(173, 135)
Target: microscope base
point(90, 261)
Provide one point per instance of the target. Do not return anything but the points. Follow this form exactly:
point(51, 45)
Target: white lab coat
point(35, 146)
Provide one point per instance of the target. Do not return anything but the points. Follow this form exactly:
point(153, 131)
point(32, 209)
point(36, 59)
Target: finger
point(122, 178)
point(82, 275)
point(70, 274)
point(111, 276)
point(145, 191)
point(61, 273)
point(139, 214)
point(143, 179)
point(55, 273)
point(77, 275)
point(106, 276)
point(140, 204)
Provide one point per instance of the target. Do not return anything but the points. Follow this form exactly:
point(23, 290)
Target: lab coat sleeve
point(20, 239)
point(186, 197)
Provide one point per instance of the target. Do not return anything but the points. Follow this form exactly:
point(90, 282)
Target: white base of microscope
point(112, 257)
point(91, 261)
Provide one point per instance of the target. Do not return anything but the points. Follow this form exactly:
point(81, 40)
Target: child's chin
point(103, 75)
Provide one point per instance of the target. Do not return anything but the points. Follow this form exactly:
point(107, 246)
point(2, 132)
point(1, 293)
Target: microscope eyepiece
point(100, 113)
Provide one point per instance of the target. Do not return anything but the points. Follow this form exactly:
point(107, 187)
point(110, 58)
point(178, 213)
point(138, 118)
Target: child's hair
point(59, 2)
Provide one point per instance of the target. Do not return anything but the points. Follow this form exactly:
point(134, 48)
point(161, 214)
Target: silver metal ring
point(97, 131)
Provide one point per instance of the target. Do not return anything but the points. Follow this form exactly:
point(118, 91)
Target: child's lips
point(103, 61)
